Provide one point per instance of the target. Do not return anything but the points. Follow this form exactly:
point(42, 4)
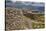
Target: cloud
point(13, 0)
point(37, 4)
point(25, 3)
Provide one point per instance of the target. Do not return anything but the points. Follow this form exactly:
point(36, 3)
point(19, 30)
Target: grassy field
point(40, 21)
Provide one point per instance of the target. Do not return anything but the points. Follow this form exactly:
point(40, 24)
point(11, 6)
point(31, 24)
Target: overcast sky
point(28, 3)
point(29, 0)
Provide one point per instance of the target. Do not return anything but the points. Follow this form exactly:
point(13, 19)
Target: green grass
point(37, 26)
point(39, 18)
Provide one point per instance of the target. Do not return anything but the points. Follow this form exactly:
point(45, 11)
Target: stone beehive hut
point(15, 20)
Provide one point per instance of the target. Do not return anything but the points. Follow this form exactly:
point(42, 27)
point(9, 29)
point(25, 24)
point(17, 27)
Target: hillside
point(19, 19)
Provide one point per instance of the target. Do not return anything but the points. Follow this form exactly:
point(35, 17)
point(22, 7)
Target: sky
point(28, 3)
point(29, 0)
point(13, 0)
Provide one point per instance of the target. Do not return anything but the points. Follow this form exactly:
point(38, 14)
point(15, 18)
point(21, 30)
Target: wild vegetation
point(17, 20)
